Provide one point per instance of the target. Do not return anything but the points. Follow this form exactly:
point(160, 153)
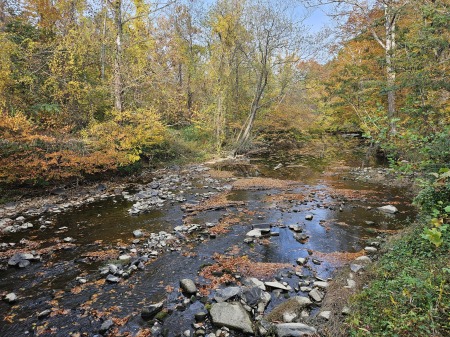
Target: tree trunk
point(118, 84)
point(390, 19)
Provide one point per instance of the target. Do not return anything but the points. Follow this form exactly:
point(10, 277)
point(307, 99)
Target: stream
point(178, 220)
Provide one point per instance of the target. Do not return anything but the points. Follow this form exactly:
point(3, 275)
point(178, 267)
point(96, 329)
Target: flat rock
point(225, 294)
point(254, 233)
point(316, 295)
point(254, 282)
point(325, 315)
point(321, 284)
point(294, 330)
point(188, 286)
point(309, 217)
point(112, 279)
point(277, 285)
point(231, 315)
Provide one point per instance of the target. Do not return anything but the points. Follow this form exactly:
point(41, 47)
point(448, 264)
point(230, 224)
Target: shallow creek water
point(344, 219)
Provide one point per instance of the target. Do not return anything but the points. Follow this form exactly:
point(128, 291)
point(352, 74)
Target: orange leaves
point(226, 268)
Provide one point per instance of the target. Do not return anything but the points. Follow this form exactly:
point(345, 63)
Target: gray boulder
point(231, 315)
point(225, 294)
point(188, 286)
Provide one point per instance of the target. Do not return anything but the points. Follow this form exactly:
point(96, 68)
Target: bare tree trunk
point(390, 71)
point(118, 84)
point(103, 48)
point(244, 135)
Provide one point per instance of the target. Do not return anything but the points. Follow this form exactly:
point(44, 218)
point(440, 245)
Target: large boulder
point(231, 315)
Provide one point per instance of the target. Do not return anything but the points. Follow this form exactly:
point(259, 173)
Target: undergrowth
point(409, 292)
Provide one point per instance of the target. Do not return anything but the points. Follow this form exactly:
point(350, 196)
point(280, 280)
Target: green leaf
point(447, 209)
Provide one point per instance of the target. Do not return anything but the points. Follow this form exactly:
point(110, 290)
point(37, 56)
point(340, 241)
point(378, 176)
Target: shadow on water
point(344, 218)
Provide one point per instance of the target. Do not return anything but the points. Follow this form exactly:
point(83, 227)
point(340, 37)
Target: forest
point(91, 90)
point(95, 86)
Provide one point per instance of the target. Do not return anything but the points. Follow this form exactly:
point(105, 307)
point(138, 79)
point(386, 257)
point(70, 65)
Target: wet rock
point(309, 217)
point(321, 284)
point(106, 325)
point(151, 311)
point(200, 316)
point(68, 239)
point(225, 294)
point(138, 233)
point(294, 330)
point(302, 238)
point(254, 282)
point(278, 285)
point(256, 297)
point(112, 279)
point(20, 260)
point(44, 314)
point(10, 298)
point(188, 286)
point(302, 260)
point(231, 315)
point(316, 295)
point(254, 233)
point(248, 240)
point(316, 262)
point(388, 209)
point(296, 228)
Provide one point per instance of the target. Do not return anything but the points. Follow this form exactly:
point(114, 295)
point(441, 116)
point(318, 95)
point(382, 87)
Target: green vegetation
point(409, 291)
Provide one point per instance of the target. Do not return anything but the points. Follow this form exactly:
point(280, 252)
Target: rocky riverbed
point(230, 248)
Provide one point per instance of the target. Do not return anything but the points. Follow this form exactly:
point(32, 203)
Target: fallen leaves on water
point(226, 268)
point(261, 183)
point(101, 255)
point(338, 258)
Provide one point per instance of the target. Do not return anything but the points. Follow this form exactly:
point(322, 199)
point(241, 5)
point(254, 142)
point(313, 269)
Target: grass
point(409, 291)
